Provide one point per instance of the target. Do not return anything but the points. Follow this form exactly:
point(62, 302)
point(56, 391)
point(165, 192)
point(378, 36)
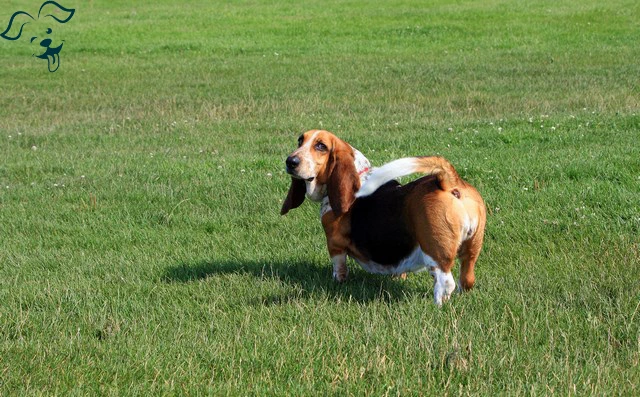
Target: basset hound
point(389, 228)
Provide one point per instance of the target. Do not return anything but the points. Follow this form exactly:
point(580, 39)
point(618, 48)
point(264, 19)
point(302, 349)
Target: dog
point(389, 228)
point(48, 13)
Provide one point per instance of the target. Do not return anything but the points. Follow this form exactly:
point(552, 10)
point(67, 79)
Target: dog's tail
point(432, 165)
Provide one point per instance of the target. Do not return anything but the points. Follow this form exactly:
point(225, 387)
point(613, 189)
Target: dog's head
point(40, 30)
point(322, 165)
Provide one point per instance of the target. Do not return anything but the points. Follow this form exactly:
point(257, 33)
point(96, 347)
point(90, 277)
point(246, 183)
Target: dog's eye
point(300, 139)
point(321, 147)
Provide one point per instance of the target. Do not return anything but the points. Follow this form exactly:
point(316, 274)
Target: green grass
point(141, 249)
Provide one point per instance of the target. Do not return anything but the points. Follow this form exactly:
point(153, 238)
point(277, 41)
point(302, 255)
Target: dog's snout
point(293, 162)
point(45, 43)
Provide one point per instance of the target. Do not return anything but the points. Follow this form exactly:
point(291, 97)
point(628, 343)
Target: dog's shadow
point(307, 281)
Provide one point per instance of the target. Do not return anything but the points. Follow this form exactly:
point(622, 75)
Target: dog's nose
point(293, 162)
point(45, 43)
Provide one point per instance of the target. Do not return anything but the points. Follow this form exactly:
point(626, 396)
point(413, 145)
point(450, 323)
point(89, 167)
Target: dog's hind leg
point(468, 257)
point(468, 254)
point(443, 286)
point(440, 269)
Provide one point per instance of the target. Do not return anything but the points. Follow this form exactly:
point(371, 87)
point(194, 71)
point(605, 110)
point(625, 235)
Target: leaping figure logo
point(20, 18)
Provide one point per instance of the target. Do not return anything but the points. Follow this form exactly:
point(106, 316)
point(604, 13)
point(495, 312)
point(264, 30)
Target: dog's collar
point(363, 166)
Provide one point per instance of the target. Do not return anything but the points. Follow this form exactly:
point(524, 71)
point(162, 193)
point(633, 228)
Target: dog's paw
point(340, 269)
point(443, 287)
point(340, 275)
point(439, 298)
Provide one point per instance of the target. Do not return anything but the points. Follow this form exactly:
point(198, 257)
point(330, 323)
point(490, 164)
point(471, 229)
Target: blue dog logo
point(49, 12)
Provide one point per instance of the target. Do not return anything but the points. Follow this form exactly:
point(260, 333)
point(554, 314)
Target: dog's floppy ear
point(55, 11)
point(16, 23)
point(295, 197)
point(343, 181)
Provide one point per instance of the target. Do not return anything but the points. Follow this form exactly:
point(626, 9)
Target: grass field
point(141, 247)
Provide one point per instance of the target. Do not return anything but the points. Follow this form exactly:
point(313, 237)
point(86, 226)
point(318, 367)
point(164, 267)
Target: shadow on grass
point(307, 280)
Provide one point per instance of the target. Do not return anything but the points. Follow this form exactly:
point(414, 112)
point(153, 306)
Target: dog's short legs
point(468, 255)
point(340, 269)
point(443, 286)
point(444, 283)
point(336, 244)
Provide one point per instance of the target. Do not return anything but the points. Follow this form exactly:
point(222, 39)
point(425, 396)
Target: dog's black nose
point(293, 162)
point(45, 43)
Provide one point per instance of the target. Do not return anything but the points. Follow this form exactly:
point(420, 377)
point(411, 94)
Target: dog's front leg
point(340, 269)
point(336, 230)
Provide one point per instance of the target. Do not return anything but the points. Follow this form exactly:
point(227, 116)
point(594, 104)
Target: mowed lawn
point(141, 247)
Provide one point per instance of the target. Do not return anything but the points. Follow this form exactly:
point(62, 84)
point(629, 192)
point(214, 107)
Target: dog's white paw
point(443, 287)
point(439, 298)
